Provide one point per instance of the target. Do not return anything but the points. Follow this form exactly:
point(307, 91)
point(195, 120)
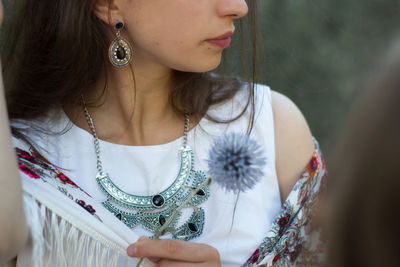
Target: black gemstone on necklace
point(193, 227)
point(158, 200)
point(119, 25)
point(200, 192)
point(161, 220)
point(121, 54)
point(119, 216)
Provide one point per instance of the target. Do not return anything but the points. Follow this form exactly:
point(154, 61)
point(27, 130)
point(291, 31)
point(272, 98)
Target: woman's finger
point(174, 250)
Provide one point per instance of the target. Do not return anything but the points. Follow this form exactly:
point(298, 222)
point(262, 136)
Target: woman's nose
point(232, 8)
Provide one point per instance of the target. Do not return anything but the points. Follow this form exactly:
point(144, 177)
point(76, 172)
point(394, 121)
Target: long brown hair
point(365, 179)
point(54, 50)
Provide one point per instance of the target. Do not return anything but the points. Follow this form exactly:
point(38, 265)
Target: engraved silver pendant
point(153, 211)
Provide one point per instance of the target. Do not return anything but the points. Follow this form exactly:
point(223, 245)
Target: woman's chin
point(201, 66)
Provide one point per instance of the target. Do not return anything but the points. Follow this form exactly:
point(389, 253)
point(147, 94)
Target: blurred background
point(320, 54)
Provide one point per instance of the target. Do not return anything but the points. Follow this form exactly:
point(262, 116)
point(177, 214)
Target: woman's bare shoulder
point(294, 145)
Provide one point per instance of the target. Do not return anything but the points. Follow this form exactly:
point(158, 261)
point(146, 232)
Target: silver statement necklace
point(152, 211)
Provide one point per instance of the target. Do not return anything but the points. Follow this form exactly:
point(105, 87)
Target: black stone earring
point(120, 51)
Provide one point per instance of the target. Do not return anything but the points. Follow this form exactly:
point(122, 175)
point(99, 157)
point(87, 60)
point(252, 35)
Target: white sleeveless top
point(148, 170)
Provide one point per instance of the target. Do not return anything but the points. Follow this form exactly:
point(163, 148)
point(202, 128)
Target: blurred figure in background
point(366, 178)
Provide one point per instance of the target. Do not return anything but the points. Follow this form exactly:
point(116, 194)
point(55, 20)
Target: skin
point(165, 35)
point(293, 143)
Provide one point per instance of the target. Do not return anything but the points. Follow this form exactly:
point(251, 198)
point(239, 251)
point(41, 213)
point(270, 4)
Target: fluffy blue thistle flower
point(235, 162)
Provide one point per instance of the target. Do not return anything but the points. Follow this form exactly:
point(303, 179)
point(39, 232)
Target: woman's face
point(177, 33)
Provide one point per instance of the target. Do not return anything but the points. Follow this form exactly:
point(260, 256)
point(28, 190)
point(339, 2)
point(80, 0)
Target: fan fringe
point(57, 243)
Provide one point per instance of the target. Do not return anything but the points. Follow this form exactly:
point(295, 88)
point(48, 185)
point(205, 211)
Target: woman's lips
point(222, 41)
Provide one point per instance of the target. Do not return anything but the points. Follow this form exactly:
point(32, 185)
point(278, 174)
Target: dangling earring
point(120, 51)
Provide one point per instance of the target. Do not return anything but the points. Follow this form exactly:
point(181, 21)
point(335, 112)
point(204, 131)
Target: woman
point(106, 88)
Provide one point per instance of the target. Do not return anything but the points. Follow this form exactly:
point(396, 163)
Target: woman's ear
point(107, 11)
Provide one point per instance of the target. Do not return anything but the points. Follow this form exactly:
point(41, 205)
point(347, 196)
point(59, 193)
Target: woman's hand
point(174, 253)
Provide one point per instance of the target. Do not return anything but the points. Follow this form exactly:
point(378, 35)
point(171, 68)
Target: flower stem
point(176, 212)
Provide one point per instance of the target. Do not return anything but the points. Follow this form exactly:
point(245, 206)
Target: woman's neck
point(132, 111)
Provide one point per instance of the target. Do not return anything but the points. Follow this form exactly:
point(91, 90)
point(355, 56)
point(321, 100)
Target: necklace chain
point(96, 142)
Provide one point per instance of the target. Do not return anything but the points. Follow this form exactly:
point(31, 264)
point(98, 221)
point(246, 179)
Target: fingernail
point(154, 259)
point(132, 250)
point(143, 238)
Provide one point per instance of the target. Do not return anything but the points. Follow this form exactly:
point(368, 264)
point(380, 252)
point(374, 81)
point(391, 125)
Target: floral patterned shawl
point(293, 240)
